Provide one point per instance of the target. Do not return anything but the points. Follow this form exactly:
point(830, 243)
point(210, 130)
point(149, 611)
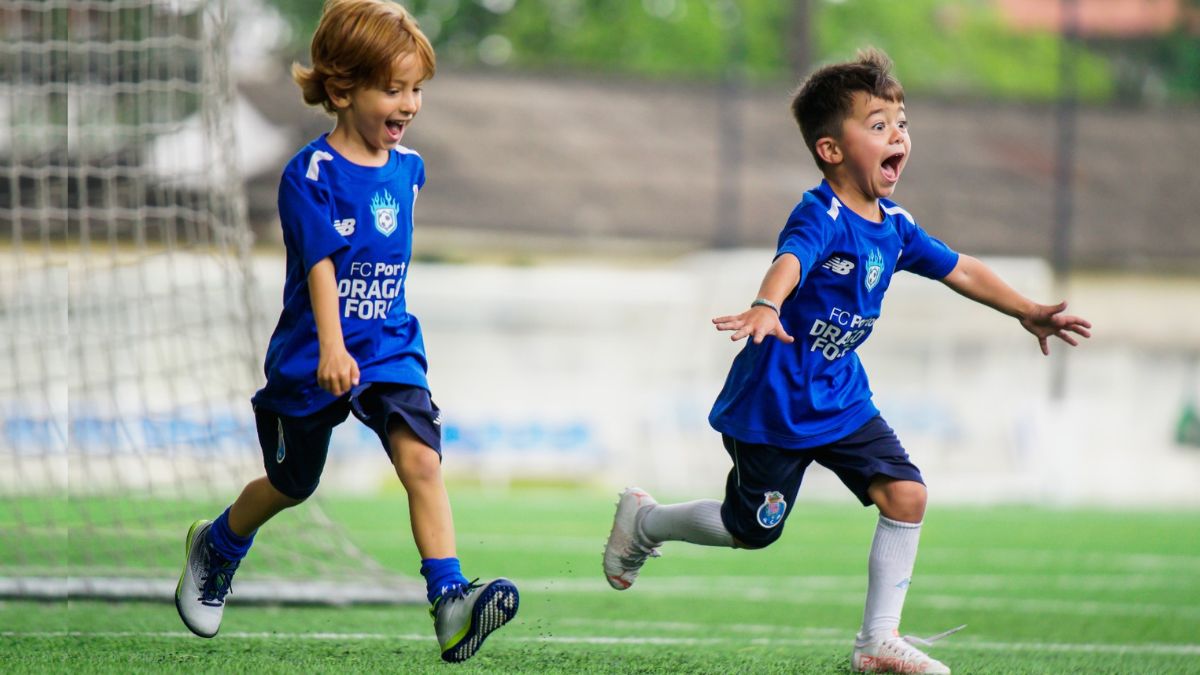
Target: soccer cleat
point(626, 551)
point(464, 617)
point(206, 579)
point(895, 654)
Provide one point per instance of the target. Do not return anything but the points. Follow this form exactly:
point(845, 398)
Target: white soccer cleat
point(626, 551)
point(206, 579)
point(464, 617)
point(895, 654)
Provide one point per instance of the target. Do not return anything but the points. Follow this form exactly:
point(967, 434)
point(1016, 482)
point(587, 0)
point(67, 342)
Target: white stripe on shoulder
point(314, 164)
point(835, 209)
point(407, 151)
point(893, 210)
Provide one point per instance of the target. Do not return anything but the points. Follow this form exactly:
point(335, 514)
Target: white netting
point(128, 310)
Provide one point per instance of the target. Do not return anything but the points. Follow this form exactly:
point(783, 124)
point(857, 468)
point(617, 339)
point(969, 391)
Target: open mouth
point(891, 167)
point(395, 128)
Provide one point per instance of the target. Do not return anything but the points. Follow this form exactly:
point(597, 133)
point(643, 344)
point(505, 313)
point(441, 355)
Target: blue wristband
point(763, 302)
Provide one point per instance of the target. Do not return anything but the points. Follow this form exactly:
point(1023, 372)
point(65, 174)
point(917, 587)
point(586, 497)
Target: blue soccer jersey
point(361, 218)
point(815, 391)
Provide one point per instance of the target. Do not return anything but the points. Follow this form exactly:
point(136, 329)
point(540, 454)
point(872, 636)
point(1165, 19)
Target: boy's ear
point(829, 150)
point(339, 98)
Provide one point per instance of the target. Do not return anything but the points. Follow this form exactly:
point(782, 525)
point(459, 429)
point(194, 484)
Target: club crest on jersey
point(874, 269)
point(773, 507)
point(385, 209)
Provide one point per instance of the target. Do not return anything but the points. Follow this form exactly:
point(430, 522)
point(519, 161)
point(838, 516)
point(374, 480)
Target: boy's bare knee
point(416, 466)
point(901, 500)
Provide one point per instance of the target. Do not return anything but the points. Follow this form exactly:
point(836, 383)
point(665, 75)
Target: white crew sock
point(697, 522)
point(889, 573)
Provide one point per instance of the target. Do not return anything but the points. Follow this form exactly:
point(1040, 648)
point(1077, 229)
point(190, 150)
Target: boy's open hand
point(1047, 320)
point(337, 371)
point(756, 322)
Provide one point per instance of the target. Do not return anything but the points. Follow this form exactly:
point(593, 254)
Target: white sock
point(697, 522)
point(889, 574)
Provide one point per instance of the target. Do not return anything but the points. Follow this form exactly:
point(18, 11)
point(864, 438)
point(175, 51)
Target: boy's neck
point(853, 198)
point(353, 150)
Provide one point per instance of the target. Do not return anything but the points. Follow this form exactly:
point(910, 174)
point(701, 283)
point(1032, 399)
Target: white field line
point(974, 583)
point(1017, 558)
point(1021, 558)
point(841, 591)
point(958, 645)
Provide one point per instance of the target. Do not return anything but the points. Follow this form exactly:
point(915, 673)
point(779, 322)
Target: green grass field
point(1042, 591)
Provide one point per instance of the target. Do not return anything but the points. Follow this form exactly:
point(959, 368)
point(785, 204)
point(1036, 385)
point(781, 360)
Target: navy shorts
point(764, 480)
point(294, 448)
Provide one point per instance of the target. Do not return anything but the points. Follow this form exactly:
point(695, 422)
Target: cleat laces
point(928, 642)
point(455, 592)
point(638, 553)
point(218, 581)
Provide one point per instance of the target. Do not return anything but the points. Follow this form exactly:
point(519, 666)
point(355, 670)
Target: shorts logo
point(281, 451)
point(773, 507)
point(385, 213)
point(874, 269)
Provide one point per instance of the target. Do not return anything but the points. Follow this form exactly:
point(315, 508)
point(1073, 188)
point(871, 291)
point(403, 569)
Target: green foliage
point(948, 47)
point(956, 48)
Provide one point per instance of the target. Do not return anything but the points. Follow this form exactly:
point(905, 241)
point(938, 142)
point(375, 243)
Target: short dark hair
point(826, 98)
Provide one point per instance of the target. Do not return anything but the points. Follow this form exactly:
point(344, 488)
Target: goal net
point(131, 332)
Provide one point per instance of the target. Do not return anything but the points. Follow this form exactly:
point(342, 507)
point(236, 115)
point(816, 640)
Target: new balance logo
point(438, 420)
point(344, 227)
point(839, 265)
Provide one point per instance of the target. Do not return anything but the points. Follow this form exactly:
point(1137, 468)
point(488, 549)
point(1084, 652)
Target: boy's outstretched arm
point(762, 320)
point(337, 371)
point(975, 280)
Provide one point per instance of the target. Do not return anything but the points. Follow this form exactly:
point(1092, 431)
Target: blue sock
point(441, 575)
point(227, 544)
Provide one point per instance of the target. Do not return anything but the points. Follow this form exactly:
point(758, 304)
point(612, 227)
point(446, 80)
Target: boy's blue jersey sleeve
point(805, 236)
point(307, 218)
point(922, 253)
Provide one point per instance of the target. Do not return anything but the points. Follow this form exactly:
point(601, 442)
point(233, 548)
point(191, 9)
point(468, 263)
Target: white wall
point(604, 373)
point(628, 354)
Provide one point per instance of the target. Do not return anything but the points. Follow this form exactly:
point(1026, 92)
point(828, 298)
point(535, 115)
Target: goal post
point(133, 335)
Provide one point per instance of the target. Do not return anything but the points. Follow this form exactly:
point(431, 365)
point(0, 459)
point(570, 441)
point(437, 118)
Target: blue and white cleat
point(204, 583)
point(463, 618)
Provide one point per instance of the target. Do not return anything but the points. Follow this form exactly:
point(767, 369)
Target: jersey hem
point(324, 399)
point(843, 429)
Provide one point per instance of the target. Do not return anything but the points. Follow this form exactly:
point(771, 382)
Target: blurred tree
point(949, 47)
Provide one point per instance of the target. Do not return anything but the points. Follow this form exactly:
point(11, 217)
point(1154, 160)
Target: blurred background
point(604, 177)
